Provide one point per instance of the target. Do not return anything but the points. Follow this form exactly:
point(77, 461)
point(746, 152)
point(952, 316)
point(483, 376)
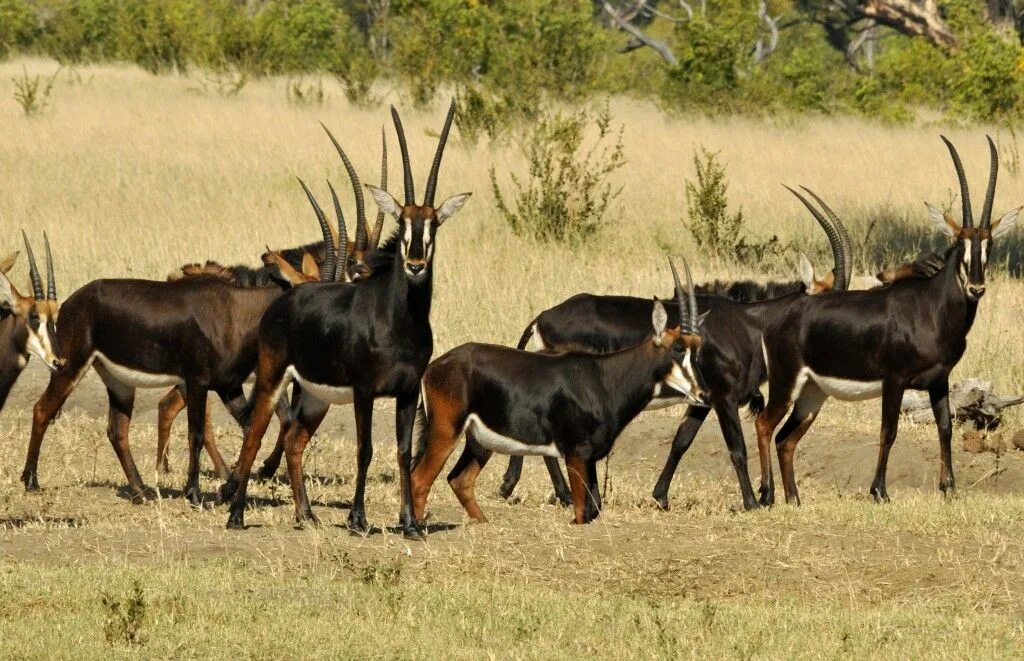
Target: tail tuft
point(420, 430)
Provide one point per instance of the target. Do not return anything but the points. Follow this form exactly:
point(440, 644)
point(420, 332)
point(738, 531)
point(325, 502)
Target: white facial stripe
point(681, 379)
point(984, 251)
point(495, 442)
point(407, 237)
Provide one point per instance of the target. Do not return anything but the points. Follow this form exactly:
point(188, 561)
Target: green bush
point(567, 192)
point(18, 27)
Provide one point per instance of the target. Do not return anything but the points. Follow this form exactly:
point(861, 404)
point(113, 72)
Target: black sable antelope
point(571, 405)
point(285, 268)
point(199, 333)
point(27, 323)
point(346, 343)
point(878, 343)
point(729, 359)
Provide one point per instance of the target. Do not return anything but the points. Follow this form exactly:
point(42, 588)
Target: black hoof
point(751, 505)
point(357, 523)
point(505, 490)
point(236, 520)
point(661, 502)
point(767, 499)
point(228, 489)
point(193, 497)
point(266, 473)
point(30, 481)
point(413, 532)
point(307, 519)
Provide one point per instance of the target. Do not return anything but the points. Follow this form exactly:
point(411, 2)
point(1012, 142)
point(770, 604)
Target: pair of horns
point(838, 237)
point(688, 308)
point(33, 271)
point(365, 241)
point(435, 168)
point(965, 195)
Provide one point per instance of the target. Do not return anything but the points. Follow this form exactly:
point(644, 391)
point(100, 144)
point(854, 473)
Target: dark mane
point(748, 291)
point(926, 265)
point(210, 269)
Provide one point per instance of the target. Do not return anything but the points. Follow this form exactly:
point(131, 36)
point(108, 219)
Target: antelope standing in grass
point(345, 343)
point(570, 405)
point(199, 333)
point(728, 360)
point(285, 268)
point(27, 323)
point(879, 343)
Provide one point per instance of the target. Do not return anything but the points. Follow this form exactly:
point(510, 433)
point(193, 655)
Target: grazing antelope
point(27, 323)
point(286, 268)
point(879, 343)
point(571, 405)
point(199, 333)
point(345, 343)
point(728, 360)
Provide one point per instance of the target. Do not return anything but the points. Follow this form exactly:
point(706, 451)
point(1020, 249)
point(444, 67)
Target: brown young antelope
point(879, 343)
point(344, 343)
point(27, 323)
point(562, 405)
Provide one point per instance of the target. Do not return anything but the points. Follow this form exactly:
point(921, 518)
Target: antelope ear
point(8, 262)
point(451, 206)
point(943, 222)
point(660, 320)
point(309, 266)
point(806, 271)
point(999, 228)
point(287, 272)
point(386, 201)
point(8, 294)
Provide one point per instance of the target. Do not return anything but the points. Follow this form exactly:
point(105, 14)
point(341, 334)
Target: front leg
point(892, 397)
point(405, 417)
point(195, 398)
point(687, 430)
point(939, 396)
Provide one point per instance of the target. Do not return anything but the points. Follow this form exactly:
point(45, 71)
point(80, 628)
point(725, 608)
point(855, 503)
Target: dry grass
point(133, 175)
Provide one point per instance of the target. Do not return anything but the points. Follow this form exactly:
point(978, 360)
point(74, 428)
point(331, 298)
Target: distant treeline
point(504, 58)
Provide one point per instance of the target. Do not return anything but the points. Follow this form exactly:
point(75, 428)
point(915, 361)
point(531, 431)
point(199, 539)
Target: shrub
point(18, 26)
point(124, 619)
point(567, 193)
point(31, 93)
point(715, 229)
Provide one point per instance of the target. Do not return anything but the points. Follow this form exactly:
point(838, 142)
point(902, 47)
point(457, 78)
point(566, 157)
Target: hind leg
point(593, 508)
point(462, 479)
point(310, 414)
point(512, 475)
point(284, 418)
point(892, 397)
point(805, 410)
point(170, 406)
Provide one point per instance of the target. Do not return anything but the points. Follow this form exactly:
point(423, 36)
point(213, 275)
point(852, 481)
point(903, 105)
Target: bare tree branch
point(762, 50)
point(638, 35)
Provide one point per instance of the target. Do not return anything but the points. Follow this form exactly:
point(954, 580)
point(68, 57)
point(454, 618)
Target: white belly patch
point(495, 442)
point(330, 394)
point(843, 389)
point(664, 403)
point(132, 377)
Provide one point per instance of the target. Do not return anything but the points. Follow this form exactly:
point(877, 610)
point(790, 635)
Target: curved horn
point(330, 251)
point(51, 279)
point(378, 225)
point(990, 193)
point(410, 191)
point(691, 298)
point(844, 236)
point(833, 239)
point(428, 196)
point(965, 194)
point(357, 189)
point(33, 270)
point(684, 320)
point(341, 267)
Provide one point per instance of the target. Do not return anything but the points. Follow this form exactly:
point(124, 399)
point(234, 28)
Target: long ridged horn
point(965, 194)
point(330, 250)
point(33, 270)
point(378, 225)
point(844, 236)
point(357, 189)
point(341, 267)
point(833, 239)
point(410, 191)
point(51, 278)
point(435, 168)
point(684, 314)
point(990, 193)
point(691, 297)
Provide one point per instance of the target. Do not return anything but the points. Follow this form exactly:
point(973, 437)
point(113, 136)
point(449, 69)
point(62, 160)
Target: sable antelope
point(879, 343)
point(571, 405)
point(27, 323)
point(198, 332)
point(354, 343)
point(728, 360)
point(287, 268)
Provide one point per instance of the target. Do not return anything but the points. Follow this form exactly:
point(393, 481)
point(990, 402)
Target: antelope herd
point(345, 322)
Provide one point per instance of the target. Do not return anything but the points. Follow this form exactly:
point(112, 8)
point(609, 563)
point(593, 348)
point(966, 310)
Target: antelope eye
point(677, 347)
